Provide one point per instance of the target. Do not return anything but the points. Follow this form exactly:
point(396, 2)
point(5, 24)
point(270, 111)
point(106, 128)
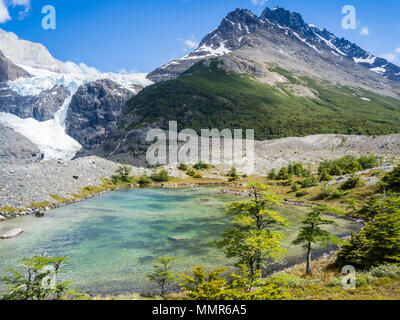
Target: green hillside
point(208, 97)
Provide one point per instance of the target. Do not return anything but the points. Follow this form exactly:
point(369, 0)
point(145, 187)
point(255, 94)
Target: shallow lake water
point(112, 240)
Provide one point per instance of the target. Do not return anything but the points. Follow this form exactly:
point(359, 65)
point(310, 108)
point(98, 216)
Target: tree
point(233, 176)
point(122, 174)
point(202, 286)
point(283, 174)
point(353, 182)
point(312, 233)
point(39, 280)
point(252, 237)
point(272, 175)
point(244, 286)
point(391, 181)
point(162, 274)
point(378, 242)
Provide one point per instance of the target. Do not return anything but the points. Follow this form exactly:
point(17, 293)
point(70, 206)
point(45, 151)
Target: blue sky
point(113, 35)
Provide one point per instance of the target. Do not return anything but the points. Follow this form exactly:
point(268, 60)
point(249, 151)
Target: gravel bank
point(22, 184)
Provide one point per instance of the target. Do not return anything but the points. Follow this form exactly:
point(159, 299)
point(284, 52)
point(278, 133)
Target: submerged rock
point(177, 238)
point(12, 233)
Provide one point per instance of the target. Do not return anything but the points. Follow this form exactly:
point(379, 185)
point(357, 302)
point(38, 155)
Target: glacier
point(50, 136)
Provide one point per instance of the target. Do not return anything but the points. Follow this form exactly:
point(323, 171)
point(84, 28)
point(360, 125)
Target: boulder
point(177, 238)
point(12, 233)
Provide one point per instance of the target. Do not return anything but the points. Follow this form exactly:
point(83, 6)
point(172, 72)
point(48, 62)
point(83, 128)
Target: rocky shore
point(21, 185)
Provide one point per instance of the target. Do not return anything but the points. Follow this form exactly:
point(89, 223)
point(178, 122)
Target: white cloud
point(392, 56)
point(25, 3)
point(365, 31)
point(4, 15)
point(191, 44)
point(82, 68)
point(259, 2)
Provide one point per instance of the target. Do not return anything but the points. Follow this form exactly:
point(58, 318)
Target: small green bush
point(191, 173)
point(183, 167)
point(353, 182)
point(283, 174)
point(161, 176)
point(309, 182)
point(330, 193)
point(144, 181)
point(201, 166)
point(386, 271)
point(272, 175)
point(325, 176)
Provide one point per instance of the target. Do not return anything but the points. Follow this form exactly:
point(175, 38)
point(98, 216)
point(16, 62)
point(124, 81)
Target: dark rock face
point(16, 149)
point(241, 28)
point(94, 111)
point(9, 71)
point(41, 107)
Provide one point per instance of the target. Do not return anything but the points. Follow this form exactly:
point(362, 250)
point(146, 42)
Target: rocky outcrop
point(41, 107)
point(94, 111)
point(16, 149)
point(9, 71)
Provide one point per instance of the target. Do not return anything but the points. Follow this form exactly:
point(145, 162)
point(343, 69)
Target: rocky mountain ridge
point(241, 29)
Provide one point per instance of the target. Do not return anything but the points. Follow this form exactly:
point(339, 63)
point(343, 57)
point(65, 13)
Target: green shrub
point(295, 187)
point(325, 176)
point(288, 280)
point(309, 182)
point(161, 176)
point(283, 174)
point(198, 176)
point(369, 162)
point(377, 243)
point(183, 167)
point(353, 182)
point(233, 176)
point(122, 175)
point(364, 279)
point(348, 165)
point(144, 181)
point(201, 166)
point(330, 193)
point(391, 180)
point(272, 175)
point(386, 271)
point(191, 173)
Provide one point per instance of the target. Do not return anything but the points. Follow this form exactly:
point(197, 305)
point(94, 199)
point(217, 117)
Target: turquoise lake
point(112, 240)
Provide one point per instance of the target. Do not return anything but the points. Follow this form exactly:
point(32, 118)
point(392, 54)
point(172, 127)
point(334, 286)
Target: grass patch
point(39, 205)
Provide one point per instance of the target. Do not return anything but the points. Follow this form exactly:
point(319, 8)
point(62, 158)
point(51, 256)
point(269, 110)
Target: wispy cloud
point(259, 2)
point(189, 44)
point(4, 14)
point(393, 56)
point(364, 31)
